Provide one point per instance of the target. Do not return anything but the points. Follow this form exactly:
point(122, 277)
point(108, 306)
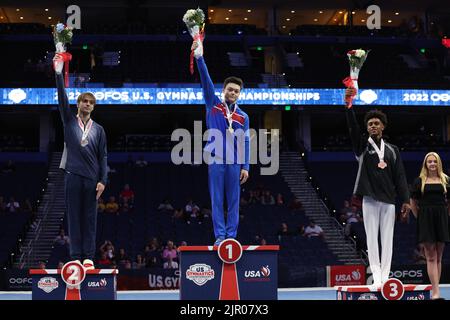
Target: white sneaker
point(88, 264)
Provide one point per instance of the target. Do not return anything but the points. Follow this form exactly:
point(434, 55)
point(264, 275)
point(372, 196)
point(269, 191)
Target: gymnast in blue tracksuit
point(232, 158)
point(84, 161)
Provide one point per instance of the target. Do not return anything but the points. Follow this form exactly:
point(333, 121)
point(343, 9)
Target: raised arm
point(63, 101)
point(208, 87)
point(354, 131)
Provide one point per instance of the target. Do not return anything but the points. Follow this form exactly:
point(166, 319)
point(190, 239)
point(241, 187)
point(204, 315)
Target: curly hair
point(376, 114)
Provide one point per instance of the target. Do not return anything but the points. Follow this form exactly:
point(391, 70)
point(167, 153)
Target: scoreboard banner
point(249, 96)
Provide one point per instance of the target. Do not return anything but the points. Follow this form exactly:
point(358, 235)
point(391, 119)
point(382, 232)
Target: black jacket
point(380, 184)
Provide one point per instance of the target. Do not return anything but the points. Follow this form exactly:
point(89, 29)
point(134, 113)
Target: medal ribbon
point(379, 151)
point(84, 129)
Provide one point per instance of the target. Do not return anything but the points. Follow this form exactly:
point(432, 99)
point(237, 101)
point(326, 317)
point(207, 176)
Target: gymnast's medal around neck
point(85, 130)
point(230, 116)
point(380, 152)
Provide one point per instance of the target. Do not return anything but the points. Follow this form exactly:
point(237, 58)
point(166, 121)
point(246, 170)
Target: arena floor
point(283, 294)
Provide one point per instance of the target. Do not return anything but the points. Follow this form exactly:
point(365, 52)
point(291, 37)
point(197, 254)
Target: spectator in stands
point(141, 163)
point(125, 207)
point(9, 167)
point(301, 230)
point(112, 206)
point(170, 251)
point(153, 262)
point(139, 263)
point(60, 265)
point(344, 211)
point(62, 239)
point(182, 244)
point(2, 205)
point(295, 205)
point(42, 265)
point(256, 240)
point(165, 206)
point(267, 198)
point(170, 264)
point(205, 212)
point(122, 257)
point(152, 250)
point(430, 204)
point(313, 230)
point(280, 200)
point(101, 205)
point(104, 260)
point(128, 194)
point(27, 206)
point(178, 214)
point(283, 231)
point(352, 217)
point(12, 205)
point(356, 201)
point(263, 242)
point(108, 248)
point(191, 210)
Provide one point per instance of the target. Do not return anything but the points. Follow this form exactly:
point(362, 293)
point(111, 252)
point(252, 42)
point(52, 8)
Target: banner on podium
point(229, 272)
point(74, 282)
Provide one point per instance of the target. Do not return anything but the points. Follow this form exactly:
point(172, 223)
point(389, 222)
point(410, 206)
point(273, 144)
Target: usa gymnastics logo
point(48, 284)
point(200, 273)
point(263, 274)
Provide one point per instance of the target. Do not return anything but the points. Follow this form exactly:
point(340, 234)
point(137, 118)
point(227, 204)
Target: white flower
point(59, 27)
point(188, 15)
point(359, 53)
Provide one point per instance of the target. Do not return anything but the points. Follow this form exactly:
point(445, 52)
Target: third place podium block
point(229, 272)
point(393, 289)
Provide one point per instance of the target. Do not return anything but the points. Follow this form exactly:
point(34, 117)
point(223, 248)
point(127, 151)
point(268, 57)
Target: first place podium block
point(73, 282)
point(229, 272)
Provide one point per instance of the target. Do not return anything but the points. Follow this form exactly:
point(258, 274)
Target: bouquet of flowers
point(356, 59)
point(62, 35)
point(195, 23)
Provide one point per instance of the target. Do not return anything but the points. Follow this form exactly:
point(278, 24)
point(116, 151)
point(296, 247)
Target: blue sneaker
point(218, 241)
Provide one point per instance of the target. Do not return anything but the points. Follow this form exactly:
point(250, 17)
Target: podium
point(73, 282)
point(393, 289)
point(229, 272)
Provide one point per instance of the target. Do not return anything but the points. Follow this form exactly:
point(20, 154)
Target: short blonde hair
point(83, 95)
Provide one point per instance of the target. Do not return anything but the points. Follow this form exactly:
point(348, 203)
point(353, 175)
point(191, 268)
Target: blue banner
point(250, 96)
